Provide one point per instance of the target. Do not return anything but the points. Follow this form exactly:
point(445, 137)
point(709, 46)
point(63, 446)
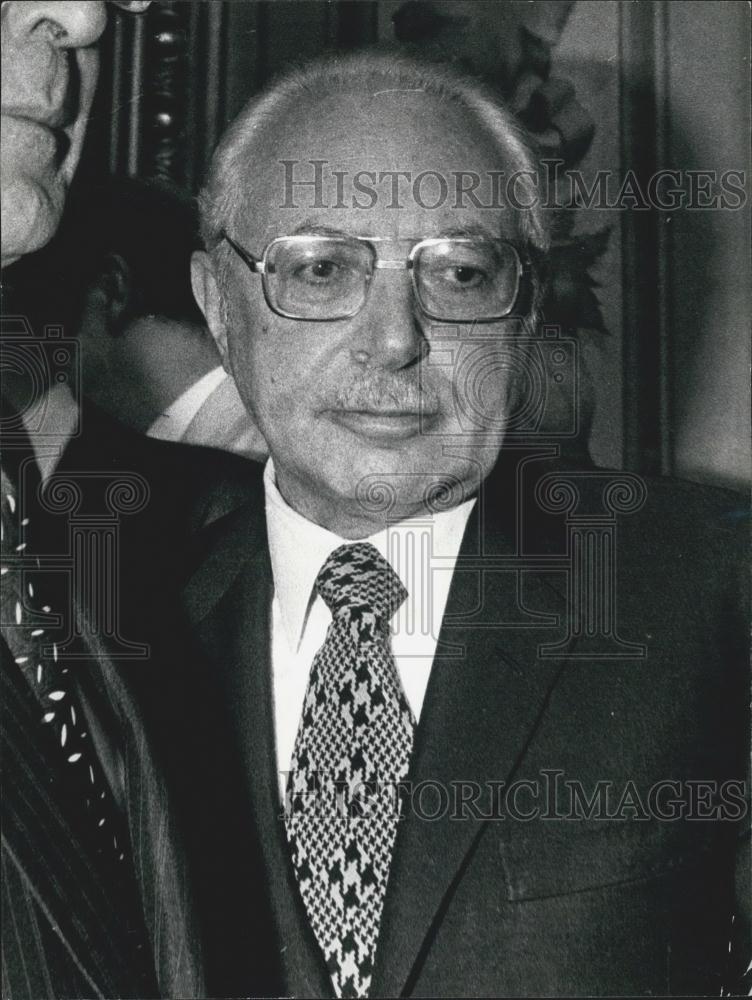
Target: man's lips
point(385, 424)
point(51, 98)
point(53, 118)
point(55, 135)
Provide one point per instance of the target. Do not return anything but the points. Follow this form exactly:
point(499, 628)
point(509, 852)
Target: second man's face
point(49, 71)
point(368, 416)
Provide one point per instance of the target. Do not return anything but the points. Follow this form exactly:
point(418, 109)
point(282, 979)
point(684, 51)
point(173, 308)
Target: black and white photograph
point(374, 487)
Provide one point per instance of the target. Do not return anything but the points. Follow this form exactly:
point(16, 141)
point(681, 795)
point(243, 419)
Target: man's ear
point(208, 299)
point(115, 283)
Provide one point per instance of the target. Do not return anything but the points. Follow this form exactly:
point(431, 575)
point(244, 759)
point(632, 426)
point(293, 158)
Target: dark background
point(614, 85)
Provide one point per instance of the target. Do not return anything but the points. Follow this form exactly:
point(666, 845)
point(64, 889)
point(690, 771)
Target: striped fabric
point(76, 922)
point(62, 923)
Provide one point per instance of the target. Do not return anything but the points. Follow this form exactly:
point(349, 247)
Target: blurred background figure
point(116, 277)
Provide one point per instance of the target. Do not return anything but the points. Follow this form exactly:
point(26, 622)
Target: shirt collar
point(60, 417)
point(298, 549)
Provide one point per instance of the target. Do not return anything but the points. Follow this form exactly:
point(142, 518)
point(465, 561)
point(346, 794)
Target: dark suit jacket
point(538, 897)
point(68, 930)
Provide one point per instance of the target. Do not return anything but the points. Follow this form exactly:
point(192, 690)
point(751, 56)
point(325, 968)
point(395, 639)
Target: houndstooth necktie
point(352, 747)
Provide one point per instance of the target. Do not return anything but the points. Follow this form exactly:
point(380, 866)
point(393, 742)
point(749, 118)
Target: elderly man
point(458, 786)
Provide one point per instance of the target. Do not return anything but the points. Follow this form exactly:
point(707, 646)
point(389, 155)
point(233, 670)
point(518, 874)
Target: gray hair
point(220, 200)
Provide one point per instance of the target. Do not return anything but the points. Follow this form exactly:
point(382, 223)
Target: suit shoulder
point(666, 504)
point(228, 482)
point(203, 483)
point(692, 540)
point(688, 517)
point(697, 504)
point(664, 525)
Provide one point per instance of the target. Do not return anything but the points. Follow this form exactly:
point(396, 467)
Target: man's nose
point(68, 24)
point(390, 332)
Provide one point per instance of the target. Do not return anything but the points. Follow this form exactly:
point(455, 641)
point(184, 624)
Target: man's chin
point(394, 491)
point(399, 496)
point(31, 212)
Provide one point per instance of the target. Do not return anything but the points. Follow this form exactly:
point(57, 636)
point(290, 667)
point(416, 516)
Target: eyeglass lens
point(318, 278)
point(466, 280)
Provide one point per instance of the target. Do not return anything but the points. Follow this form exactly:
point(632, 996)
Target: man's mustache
point(394, 392)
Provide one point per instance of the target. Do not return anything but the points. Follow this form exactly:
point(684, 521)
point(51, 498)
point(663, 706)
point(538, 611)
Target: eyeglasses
point(455, 279)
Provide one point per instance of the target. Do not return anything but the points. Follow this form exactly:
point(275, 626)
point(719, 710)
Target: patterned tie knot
point(361, 590)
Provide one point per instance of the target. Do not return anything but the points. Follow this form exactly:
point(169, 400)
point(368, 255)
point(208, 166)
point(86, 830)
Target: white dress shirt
point(422, 551)
point(50, 426)
point(173, 423)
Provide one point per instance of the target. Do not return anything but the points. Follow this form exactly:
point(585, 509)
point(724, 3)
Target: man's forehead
point(379, 131)
point(385, 207)
point(471, 230)
point(391, 164)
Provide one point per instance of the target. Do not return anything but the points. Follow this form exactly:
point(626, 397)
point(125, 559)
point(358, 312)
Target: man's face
point(366, 416)
point(49, 70)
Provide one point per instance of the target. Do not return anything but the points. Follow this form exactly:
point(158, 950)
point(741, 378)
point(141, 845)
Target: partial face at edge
point(49, 71)
point(386, 405)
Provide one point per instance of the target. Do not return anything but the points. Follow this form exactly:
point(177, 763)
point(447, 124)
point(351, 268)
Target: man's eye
point(463, 276)
point(323, 268)
point(319, 271)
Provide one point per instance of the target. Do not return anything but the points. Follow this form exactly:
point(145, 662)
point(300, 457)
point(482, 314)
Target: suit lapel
point(156, 834)
point(229, 601)
point(480, 712)
point(41, 841)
